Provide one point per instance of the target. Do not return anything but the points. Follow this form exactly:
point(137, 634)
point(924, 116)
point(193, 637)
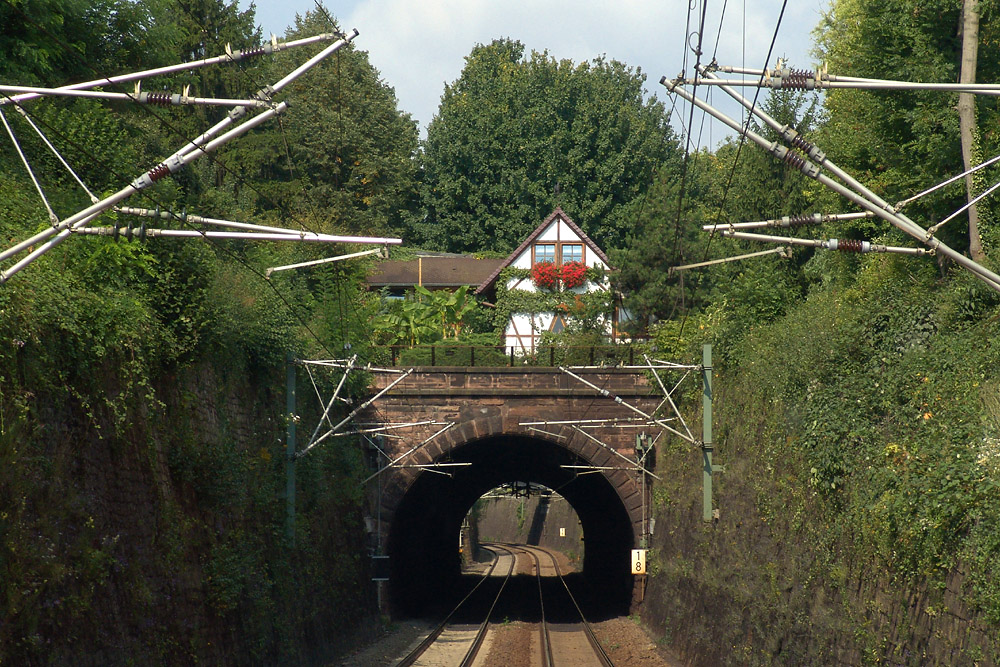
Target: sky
point(419, 46)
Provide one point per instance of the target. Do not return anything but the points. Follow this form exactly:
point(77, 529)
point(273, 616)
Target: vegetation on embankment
point(142, 384)
point(860, 502)
point(142, 483)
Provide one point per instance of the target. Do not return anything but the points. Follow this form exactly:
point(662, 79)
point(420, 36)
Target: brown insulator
point(159, 99)
point(850, 245)
point(796, 79)
point(158, 172)
point(799, 142)
point(794, 159)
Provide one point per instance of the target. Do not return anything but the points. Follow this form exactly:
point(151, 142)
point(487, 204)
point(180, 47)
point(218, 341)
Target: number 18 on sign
point(638, 561)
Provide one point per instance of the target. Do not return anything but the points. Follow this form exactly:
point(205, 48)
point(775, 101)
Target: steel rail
point(429, 640)
point(546, 645)
point(588, 631)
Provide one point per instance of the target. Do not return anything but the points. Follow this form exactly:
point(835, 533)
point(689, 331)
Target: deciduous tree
point(515, 136)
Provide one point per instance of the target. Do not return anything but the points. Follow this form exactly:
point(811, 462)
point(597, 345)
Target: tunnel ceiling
point(424, 532)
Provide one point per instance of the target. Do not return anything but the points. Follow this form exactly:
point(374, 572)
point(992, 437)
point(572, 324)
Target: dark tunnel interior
point(425, 574)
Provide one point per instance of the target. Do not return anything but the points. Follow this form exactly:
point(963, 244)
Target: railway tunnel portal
point(473, 429)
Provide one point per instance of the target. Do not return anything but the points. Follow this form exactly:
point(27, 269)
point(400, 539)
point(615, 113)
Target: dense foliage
point(516, 136)
point(857, 394)
point(903, 142)
point(142, 384)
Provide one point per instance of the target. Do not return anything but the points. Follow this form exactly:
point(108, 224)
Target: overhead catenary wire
point(198, 147)
point(57, 234)
point(712, 262)
point(855, 190)
point(325, 260)
point(230, 56)
point(58, 155)
point(843, 245)
point(791, 79)
point(264, 92)
point(791, 221)
point(687, 141)
point(184, 217)
point(224, 249)
point(739, 147)
point(144, 97)
point(964, 208)
point(948, 181)
point(875, 204)
point(300, 237)
point(291, 308)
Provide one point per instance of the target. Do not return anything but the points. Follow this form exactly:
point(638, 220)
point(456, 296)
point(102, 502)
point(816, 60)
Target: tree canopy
point(515, 136)
point(904, 142)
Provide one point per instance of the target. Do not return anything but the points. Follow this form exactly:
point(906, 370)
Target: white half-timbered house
point(558, 240)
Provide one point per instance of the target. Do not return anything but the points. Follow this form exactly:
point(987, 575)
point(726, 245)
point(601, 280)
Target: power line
point(164, 122)
point(90, 155)
point(739, 149)
point(687, 148)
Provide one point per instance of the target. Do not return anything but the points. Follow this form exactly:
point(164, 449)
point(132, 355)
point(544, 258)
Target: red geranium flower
point(574, 274)
point(545, 275)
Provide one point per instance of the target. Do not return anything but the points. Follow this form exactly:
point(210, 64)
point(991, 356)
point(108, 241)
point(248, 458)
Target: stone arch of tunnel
point(427, 511)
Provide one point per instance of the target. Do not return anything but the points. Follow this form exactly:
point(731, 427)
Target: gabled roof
point(448, 271)
point(531, 239)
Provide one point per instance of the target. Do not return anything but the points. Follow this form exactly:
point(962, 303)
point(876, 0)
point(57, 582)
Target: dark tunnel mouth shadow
point(425, 563)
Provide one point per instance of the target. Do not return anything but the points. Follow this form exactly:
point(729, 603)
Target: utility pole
point(706, 430)
point(968, 129)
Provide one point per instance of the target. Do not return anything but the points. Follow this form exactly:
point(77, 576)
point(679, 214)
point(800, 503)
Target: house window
point(572, 252)
point(545, 252)
point(558, 324)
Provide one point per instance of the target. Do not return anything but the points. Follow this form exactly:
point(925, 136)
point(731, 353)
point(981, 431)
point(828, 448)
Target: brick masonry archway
point(489, 409)
point(473, 430)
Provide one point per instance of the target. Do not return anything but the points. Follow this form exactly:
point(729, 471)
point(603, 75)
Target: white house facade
point(559, 241)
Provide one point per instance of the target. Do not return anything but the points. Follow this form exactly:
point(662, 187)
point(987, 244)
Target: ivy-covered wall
point(141, 489)
point(588, 308)
point(860, 502)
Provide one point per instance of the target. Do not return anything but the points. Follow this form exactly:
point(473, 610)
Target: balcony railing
point(443, 354)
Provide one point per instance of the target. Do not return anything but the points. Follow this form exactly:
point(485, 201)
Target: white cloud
point(420, 46)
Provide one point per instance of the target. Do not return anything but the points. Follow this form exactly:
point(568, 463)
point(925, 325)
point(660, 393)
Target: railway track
point(562, 643)
point(559, 644)
point(450, 643)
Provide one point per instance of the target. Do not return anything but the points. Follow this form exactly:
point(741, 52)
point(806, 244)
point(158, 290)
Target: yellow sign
point(638, 561)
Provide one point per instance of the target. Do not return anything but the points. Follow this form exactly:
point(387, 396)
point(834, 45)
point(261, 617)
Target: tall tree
point(343, 154)
point(731, 185)
point(967, 118)
point(903, 142)
point(516, 136)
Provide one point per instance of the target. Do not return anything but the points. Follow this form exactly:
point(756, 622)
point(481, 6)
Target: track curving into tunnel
point(423, 539)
